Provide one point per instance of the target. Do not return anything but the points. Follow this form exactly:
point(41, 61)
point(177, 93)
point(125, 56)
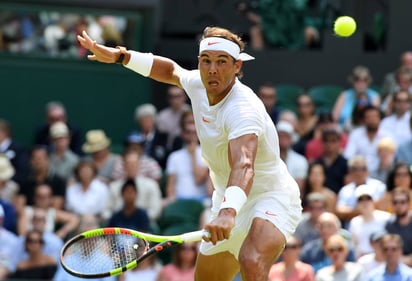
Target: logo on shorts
point(270, 214)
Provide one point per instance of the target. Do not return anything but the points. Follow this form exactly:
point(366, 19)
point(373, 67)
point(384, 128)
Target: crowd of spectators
point(352, 164)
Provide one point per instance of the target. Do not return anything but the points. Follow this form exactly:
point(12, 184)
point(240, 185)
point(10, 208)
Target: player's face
point(218, 71)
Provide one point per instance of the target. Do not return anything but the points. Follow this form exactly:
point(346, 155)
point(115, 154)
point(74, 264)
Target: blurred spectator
point(401, 222)
point(404, 151)
point(187, 174)
point(367, 222)
point(397, 124)
point(8, 244)
point(182, 267)
point(313, 252)
point(336, 165)
point(399, 176)
point(130, 216)
point(358, 172)
point(393, 268)
point(314, 148)
point(52, 242)
point(364, 139)
point(404, 84)
point(41, 171)
point(88, 194)
point(290, 117)
point(268, 95)
point(296, 163)
point(38, 265)
point(9, 216)
point(390, 84)
point(146, 270)
point(307, 229)
point(306, 123)
point(61, 222)
point(337, 249)
point(316, 183)
point(168, 119)
point(108, 164)
point(55, 112)
point(155, 144)
point(291, 268)
point(350, 103)
point(148, 166)
point(17, 154)
point(61, 157)
point(187, 118)
point(149, 195)
point(374, 259)
point(386, 153)
point(8, 188)
point(87, 222)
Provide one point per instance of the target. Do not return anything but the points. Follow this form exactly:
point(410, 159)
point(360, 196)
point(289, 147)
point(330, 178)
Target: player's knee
point(250, 261)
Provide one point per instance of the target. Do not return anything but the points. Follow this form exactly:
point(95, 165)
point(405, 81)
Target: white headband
point(222, 44)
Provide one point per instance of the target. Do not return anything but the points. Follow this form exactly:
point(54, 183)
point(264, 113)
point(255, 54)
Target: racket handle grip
point(195, 236)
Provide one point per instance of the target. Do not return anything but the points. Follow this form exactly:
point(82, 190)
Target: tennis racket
point(110, 251)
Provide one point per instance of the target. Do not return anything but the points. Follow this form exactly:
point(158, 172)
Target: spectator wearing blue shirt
point(393, 269)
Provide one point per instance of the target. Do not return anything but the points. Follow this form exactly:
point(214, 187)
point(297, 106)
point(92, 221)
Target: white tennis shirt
point(241, 112)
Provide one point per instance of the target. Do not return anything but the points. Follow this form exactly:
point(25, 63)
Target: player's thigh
point(263, 244)
point(218, 267)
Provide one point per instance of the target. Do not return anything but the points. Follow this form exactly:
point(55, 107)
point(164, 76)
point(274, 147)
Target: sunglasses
point(399, 202)
point(364, 198)
point(292, 246)
point(335, 249)
point(363, 79)
point(390, 249)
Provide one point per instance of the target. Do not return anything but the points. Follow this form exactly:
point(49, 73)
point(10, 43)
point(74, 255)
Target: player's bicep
point(167, 71)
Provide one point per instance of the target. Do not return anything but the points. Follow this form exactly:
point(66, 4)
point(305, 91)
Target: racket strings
point(100, 254)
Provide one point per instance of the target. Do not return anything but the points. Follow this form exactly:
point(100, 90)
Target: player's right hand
point(100, 52)
point(221, 227)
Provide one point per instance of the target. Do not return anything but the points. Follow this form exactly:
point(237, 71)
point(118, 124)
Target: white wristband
point(235, 198)
point(140, 62)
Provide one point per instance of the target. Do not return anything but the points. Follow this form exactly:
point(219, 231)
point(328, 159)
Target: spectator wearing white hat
point(155, 142)
point(8, 188)
point(108, 164)
point(61, 157)
point(296, 163)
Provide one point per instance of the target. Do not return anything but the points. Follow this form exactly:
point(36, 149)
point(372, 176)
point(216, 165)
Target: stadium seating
point(287, 95)
point(180, 212)
point(324, 96)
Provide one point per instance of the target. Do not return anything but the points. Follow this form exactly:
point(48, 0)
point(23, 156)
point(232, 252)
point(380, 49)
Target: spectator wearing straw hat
point(97, 145)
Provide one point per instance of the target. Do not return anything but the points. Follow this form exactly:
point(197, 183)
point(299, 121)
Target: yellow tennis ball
point(344, 26)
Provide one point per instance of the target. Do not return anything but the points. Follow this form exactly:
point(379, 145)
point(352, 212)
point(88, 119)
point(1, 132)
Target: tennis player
point(256, 204)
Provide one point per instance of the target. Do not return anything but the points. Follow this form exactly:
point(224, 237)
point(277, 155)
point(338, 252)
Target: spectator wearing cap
point(55, 111)
point(61, 157)
point(155, 142)
point(8, 243)
point(367, 222)
point(17, 154)
point(336, 165)
point(359, 175)
point(108, 164)
point(315, 147)
point(296, 163)
point(307, 228)
point(8, 188)
point(393, 268)
point(375, 259)
point(168, 119)
point(386, 154)
point(148, 166)
point(401, 222)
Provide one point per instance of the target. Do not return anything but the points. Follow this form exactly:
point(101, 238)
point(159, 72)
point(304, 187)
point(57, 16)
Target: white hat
point(6, 169)
point(59, 130)
point(96, 140)
point(285, 127)
point(362, 190)
point(146, 110)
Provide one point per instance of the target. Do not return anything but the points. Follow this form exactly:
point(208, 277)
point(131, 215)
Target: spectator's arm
point(70, 222)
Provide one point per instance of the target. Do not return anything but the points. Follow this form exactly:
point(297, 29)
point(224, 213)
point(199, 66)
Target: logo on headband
point(212, 43)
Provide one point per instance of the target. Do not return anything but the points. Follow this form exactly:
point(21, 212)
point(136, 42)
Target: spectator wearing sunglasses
point(401, 222)
point(393, 268)
point(337, 250)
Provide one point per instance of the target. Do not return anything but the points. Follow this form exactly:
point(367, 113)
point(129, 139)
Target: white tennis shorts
point(282, 208)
